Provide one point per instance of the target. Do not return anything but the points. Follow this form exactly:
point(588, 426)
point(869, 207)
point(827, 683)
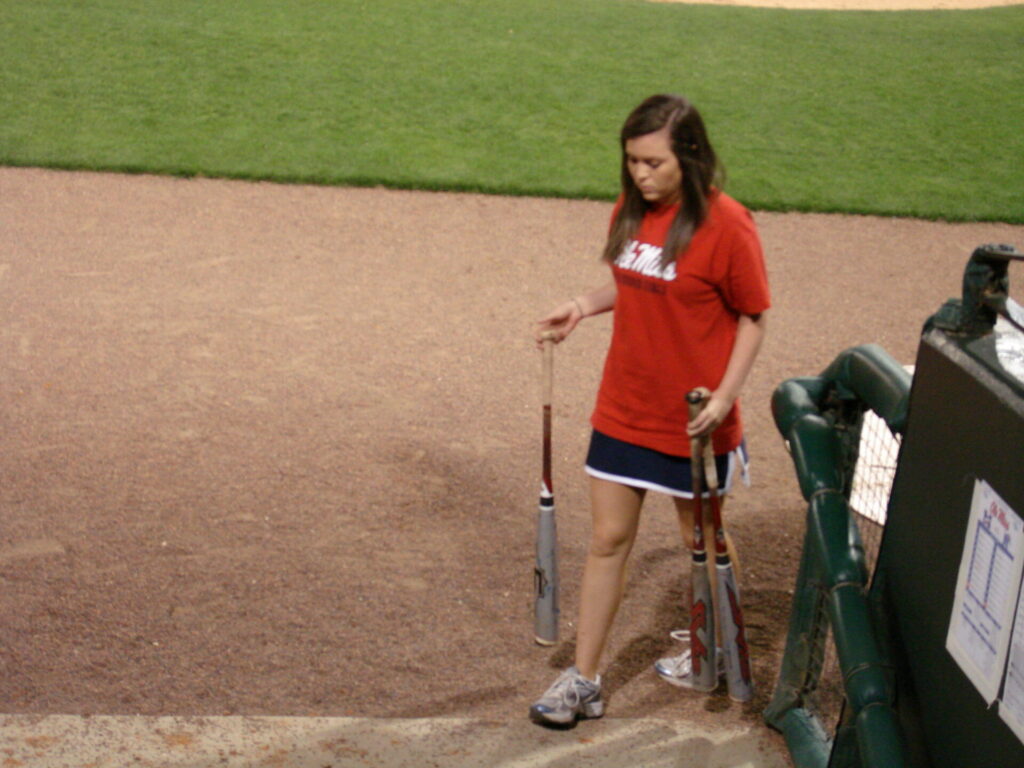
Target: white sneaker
point(678, 670)
point(571, 697)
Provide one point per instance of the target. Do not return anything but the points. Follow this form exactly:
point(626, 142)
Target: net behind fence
point(872, 483)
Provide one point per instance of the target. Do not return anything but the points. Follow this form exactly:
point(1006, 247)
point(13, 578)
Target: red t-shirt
point(674, 329)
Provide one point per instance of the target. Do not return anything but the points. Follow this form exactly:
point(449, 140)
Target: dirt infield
point(275, 449)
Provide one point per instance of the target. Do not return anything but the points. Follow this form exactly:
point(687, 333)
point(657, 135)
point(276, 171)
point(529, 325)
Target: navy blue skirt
point(638, 467)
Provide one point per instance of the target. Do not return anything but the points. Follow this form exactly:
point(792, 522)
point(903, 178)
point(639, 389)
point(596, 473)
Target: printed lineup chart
point(986, 628)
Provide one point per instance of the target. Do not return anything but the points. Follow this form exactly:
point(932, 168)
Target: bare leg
point(615, 509)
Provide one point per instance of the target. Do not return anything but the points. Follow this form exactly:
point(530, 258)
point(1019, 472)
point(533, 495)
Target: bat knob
point(698, 395)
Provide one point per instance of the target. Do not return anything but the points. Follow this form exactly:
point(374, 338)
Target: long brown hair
point(701, 173)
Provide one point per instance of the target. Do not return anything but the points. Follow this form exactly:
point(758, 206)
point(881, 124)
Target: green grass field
point(908, 113)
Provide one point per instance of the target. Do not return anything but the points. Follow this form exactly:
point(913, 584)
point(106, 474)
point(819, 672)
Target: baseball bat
point(704, 667)
point(545, 571)
point(730, 612)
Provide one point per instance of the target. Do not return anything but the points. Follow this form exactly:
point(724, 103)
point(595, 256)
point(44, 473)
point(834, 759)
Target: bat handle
point(547, 339)
point(696, 400)
point(547, 380)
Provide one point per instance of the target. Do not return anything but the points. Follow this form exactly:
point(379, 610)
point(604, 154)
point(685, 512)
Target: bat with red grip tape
point(545, 571)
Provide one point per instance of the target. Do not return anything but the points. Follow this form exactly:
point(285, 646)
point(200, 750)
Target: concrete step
point(65, 741)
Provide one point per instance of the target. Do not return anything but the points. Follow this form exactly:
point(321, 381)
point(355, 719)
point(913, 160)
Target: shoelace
point(682, 635)
point(564, 690)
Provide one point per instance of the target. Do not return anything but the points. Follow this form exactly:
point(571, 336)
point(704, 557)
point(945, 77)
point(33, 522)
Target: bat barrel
point(545, 623)
point(703, 653)
point(738, 678)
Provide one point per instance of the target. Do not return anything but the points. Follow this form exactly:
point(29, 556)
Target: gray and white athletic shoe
point(678, 670)
point(571, 697)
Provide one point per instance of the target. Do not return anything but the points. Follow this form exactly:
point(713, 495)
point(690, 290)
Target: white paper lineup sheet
point(1011, 708)
point(987, 591)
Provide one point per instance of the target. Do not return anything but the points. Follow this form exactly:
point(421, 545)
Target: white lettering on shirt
point(645, 259)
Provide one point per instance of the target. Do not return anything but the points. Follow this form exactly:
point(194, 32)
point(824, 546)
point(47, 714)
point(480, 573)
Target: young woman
point(689, 292)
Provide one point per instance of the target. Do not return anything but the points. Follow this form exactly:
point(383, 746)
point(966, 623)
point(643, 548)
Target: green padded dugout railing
point(820, 419)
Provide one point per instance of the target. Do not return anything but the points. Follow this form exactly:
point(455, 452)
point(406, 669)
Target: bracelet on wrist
point(579, 307)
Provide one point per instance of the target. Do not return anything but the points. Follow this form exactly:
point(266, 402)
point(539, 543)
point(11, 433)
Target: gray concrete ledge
point(64, 741)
